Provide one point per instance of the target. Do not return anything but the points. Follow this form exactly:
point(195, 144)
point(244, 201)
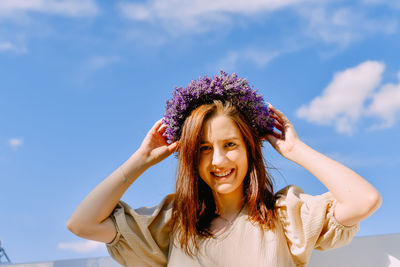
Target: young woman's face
point(223, 157)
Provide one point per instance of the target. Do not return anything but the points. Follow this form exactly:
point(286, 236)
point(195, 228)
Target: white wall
point(368, 251)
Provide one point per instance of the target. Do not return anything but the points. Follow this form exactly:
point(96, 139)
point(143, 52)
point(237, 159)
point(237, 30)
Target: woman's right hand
point(155, 147)
point(91, 219)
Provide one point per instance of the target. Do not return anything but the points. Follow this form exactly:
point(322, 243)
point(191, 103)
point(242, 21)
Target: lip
point(223, 177)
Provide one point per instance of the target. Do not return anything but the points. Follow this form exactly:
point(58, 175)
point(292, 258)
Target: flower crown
point(205, 90)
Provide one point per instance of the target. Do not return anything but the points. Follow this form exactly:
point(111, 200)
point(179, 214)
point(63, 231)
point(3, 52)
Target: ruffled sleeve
point(142, 235)
point(308, 222)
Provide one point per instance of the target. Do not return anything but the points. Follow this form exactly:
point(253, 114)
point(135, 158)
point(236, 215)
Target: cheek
point(203, 171)
point(239, 157)
point(202, 166)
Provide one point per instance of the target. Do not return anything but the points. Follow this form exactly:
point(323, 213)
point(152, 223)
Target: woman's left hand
point(285, 140)
point(356, 198)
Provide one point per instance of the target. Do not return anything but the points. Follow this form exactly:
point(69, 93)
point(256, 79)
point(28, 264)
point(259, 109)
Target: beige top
point(304, 222)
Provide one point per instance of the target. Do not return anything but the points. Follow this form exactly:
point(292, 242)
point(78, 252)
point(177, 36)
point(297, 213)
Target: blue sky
point(83, 81)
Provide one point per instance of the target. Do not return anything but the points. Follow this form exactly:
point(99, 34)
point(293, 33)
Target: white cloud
point(198, 15)
point(320, 20)
point(343, 26)
point(81, 246)
point(73, 8)
point(252, 56)
point(16, 142)
point(386, 104)
point(198, 9)
point(341, 102)
point(20, 21)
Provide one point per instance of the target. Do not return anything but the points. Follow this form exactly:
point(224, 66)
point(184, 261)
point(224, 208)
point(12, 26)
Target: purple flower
point(222, 87)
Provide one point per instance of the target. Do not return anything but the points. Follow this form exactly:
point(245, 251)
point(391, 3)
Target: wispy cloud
point(81, 246)
point(73, 8)
point(386, 105)
point(344, 25)
point(197, 10)
point(93, 65)
point(357, 161)
point(342, 101)
point(16, 142)
point(198, 15)
point(96, 63)
point(321, 21)
point(10, 47)
point(253, 56)
point(390, 3)
point(7, 46)
point(19, 19)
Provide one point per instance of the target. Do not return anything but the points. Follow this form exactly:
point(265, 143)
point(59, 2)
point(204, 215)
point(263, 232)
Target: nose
point(219, 157)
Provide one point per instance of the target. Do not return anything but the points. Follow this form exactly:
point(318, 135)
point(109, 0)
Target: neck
point(229, 205)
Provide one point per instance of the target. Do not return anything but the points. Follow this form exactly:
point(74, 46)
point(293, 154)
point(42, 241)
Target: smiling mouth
point(224, 174)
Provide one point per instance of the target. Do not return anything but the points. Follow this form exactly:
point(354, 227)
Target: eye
point(205, 148)
point(230, 144)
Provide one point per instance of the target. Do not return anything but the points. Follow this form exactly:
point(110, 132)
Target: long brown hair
point(194, 206)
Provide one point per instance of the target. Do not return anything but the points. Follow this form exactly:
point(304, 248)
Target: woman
point(224, 211)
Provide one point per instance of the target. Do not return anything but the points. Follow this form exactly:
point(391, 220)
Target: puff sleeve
point(308, 223)
point(142, 235)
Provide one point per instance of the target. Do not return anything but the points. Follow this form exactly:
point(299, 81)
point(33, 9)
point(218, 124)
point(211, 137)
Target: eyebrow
point(223, 140)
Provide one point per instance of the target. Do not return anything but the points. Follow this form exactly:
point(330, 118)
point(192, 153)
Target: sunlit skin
point(223, 163)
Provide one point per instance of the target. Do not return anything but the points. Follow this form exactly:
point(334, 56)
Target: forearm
point(356, 198)
point(353, 193)
point(100, 202)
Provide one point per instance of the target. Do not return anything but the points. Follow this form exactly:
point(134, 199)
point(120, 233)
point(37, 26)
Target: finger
point(156, 125)
point(173, 147)
point(270, 108)
point(162, 128)
point(277, 134)
point(272, 140)
point(283, 120)
point(284, 128)
point(273, 109)
point(278, 125)
point(277, 118)
point(274, 133)
point(280, 114)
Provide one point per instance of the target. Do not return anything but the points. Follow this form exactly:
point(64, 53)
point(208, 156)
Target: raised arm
point(356, 198)
point(91, 218)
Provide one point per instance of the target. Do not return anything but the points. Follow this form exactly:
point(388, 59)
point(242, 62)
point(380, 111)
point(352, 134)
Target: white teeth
point(222, 173)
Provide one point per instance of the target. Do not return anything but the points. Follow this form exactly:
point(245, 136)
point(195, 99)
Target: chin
point(225, 189)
